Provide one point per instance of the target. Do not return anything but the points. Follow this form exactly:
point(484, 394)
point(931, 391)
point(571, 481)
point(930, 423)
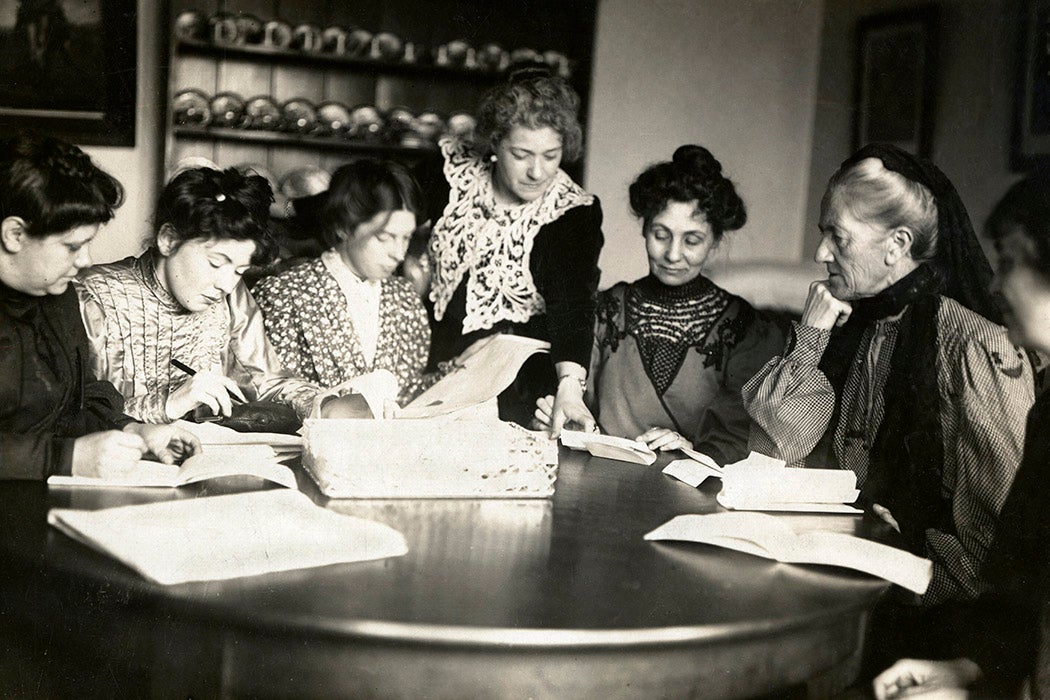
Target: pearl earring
point(493, 157)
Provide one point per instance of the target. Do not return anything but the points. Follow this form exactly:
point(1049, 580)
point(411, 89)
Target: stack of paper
point(763, 483)
point(285, 446)
point(212, 462)
point(222, 537)
point(609, 447)
point(767, 536)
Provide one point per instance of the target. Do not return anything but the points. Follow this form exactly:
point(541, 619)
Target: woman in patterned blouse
point(184, 300)
point(672, 350)
point(344, 314)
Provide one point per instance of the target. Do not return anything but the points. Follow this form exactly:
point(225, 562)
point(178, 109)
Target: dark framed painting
point(895, 74)
point(1031, 137)
point(67, 68)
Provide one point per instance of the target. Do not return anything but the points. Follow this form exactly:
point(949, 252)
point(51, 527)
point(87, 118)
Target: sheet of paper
point(480, 378)
point(755, 459)
point(690, 471)
point(701, 458)
point(609, 447)
point(223, 537)
point(780, 484)
point(795, 507)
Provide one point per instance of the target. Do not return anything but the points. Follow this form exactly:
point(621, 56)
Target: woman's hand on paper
point(822, 309)
point(112, 453)
point(211, 389)
point(167, 443)
point(569, 410)
point(916, 678)
point(663, 439)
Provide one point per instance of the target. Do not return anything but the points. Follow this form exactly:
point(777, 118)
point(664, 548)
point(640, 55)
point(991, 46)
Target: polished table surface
point(538, 598)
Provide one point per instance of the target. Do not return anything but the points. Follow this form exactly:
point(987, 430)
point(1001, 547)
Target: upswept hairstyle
point(219, 205)
point(879, 196)
point(691, 174)
point(533, 98)
point(53, 186)
point(360, 190)
point(1026, 206)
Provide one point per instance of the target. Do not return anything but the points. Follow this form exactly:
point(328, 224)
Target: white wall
point(137, 168)
point(736, 76)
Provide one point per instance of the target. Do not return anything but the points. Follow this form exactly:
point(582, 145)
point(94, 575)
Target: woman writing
point(672, 350)
point(183, 299)
point(515, 243)
point(897, 370)
point(1001, 645)
point(55, 417)
point(343, 315)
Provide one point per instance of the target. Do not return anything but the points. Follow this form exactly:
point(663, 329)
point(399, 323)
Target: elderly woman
point(515, 243)
point(1002, 646)
point(672, 350)
point(183, 301)
point(343, 315)
point(55, 416)
point(897, 370)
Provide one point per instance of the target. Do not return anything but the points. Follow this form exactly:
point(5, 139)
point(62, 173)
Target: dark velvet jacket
point(47, 396)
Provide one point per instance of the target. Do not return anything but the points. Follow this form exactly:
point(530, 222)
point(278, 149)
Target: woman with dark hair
point(183, 300)
point(672, 350)
point(1001, 644)
point(898, 369)
point(55, 416)
point(515, 242)
point(344, 314)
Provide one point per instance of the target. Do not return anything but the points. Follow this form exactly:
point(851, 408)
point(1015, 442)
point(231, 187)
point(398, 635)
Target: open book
point(767, 536)
point(609, 447)
point(212, 434)
point(222, 537)
point(212, 462)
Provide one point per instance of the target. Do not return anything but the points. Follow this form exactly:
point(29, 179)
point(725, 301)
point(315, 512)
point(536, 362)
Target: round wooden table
point(542, 598)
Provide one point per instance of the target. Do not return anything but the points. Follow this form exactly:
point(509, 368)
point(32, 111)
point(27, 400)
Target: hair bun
point(520, 71)
point(697, 160)
point(66, 160)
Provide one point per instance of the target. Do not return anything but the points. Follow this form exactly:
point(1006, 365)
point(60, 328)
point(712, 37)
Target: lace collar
point(491, 244)
point(147, 269)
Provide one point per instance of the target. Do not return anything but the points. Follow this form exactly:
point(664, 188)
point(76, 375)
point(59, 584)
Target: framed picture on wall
point(67, 69)
point(894, 79)
point(1031, 142)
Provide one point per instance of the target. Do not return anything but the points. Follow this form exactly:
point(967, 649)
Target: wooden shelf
point(276, 138)
point(379, 67)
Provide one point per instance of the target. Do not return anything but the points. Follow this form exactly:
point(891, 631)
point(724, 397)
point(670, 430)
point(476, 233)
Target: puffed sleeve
point(789, 400)
point(988, 395)
point(252, 354)
point(723, 428)
point(570, 282)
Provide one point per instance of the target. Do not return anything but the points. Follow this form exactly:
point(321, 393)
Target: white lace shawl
point(491, 243)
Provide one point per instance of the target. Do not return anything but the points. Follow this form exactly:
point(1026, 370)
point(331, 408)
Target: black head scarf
point(959, 259)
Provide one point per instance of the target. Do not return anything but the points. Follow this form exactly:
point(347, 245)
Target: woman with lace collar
point(184, 301)
point(515, 242)
point(672, 350)
point(899, 370)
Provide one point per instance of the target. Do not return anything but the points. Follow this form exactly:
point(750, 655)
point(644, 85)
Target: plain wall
point(973, 115)
point(737, 77)
point(137, 168)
